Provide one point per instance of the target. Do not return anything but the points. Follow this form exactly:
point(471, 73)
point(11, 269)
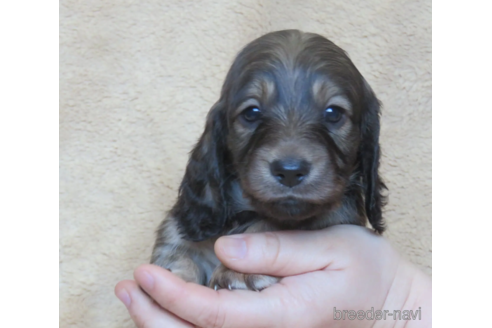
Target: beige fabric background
point(136, 81)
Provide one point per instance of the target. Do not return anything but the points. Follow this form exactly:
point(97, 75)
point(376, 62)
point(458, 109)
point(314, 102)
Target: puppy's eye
point(333, 114)
point(251, 114)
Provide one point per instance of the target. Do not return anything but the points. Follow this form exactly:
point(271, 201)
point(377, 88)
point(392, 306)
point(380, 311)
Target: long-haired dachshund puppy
point(292, 143)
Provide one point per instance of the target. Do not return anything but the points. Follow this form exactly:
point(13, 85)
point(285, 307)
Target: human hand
point(343, 267)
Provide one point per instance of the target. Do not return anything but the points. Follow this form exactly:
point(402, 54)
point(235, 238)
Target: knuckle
point(142, 322)
point(272, 248)
point(212, 319)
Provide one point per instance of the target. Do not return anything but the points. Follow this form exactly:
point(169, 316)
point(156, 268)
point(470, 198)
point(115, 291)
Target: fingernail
point(124, 297)
point(234, 247)
point(147, 280)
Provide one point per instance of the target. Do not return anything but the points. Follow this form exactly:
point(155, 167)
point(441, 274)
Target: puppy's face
point(293, 114)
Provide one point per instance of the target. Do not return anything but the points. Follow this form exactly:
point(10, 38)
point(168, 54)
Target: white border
point(29, 163)
point(462, 161)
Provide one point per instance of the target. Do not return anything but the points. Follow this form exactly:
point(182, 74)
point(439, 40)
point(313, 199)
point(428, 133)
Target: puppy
point(292, 143)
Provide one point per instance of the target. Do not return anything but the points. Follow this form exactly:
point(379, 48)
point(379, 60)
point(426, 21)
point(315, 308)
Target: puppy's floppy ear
point(369, 154)
point(201, 209)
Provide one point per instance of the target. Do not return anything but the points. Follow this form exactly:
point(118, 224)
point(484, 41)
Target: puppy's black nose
point(290, 172)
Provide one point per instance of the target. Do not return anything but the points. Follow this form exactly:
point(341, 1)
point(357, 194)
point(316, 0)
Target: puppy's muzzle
point(289, 171)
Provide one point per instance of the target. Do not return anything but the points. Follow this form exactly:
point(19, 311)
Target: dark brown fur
point(228, 186)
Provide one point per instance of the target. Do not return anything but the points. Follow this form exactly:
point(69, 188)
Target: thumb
point(280, 254)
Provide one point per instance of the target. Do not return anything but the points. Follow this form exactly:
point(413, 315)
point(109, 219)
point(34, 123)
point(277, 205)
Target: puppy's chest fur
point(195, 261)
point(247, 219)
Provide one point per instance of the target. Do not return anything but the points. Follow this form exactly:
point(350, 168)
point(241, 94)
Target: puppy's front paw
point(184, 268)
point(223, 278)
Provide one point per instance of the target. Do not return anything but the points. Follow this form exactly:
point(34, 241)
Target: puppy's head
point(296, 126)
